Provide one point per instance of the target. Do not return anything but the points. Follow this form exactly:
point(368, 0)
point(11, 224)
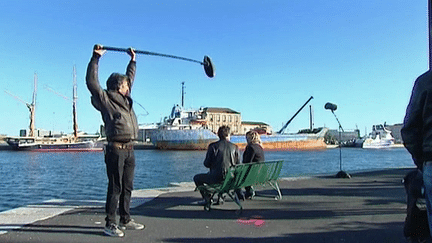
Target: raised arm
point(131, 68)
point(92, 76)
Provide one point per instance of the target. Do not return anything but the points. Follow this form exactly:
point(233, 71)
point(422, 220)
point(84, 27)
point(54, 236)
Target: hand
point(132, 53)
point(98, 49)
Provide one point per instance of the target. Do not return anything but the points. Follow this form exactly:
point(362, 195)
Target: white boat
point(380, 137)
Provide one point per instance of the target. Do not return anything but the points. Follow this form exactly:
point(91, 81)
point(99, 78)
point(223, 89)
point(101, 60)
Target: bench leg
point(207, 207)
point(275, 186)
point(235, 199)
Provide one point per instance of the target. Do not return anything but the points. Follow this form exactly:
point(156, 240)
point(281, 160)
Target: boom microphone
point(330, 106)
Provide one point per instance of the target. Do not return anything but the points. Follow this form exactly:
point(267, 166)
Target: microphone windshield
point(330, 106)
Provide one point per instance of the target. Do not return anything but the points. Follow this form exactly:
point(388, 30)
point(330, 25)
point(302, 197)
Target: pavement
point(369, 207)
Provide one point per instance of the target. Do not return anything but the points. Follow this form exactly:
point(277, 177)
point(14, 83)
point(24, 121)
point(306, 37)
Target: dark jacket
point(116, 110)
point(417, 128)
point(253, 153)
point(220, 156)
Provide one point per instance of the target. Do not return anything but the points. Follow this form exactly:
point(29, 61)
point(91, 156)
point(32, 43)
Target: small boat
point(380, 137)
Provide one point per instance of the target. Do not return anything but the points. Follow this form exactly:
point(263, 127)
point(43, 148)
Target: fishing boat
point(76, 142)
point(380, 137)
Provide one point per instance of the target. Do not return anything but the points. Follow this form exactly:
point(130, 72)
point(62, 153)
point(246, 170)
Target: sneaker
point(131, 225)
point(249, 195)
point(113, 230)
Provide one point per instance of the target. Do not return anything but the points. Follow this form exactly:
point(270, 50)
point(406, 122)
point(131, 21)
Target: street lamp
point(341, 174)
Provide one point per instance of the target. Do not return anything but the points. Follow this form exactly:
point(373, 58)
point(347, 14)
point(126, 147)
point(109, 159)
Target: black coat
point(417, 128)
point(221, 155)
point(116, 109)
point(253, 153)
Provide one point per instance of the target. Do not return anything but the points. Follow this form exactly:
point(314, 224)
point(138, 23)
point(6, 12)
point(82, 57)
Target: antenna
point(183, 93)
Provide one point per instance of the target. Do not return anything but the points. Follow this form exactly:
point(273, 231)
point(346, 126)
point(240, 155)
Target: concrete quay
point(369, 207)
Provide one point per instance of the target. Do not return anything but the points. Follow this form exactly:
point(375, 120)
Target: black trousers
point(201, 179)
point(120, 167)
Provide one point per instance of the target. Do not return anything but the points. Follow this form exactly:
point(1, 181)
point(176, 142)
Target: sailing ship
point(76, 142)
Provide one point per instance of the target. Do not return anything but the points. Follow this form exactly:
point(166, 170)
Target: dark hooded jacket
point(417, 128)
point(116, 109)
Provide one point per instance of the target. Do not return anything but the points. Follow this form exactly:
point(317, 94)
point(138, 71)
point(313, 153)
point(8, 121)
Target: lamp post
point(341, 174)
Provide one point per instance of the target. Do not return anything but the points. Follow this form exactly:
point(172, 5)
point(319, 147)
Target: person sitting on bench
point(220, 156)
point(253, 153)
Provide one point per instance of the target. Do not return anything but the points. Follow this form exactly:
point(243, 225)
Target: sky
point(270, 57)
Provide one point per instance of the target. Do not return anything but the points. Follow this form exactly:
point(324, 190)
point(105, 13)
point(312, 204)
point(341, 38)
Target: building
point(396, 132)
point(335, 135)
point(260, 127)
point(217, 117)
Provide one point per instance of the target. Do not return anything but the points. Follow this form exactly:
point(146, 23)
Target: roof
point(220, 110)
point(254, 123)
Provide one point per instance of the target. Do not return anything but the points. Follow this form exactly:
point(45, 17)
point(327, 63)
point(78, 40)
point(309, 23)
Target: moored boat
point(59, 143)
point(194, 129)
point(65, 143)
point(294, 141)
point(380, 137)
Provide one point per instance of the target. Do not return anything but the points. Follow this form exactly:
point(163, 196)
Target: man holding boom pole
point(121, 128)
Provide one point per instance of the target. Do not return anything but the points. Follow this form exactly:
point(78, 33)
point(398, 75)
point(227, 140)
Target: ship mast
point(74, 95)
point(32, 108)
point(183, 87)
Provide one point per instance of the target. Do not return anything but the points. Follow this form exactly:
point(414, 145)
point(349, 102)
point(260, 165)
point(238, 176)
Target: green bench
point(243, 175)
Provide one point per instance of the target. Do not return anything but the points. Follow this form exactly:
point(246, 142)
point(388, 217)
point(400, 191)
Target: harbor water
point(33, 177)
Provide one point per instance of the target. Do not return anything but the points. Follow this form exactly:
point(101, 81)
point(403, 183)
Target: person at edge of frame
point(253, 153)
point(220, 156)
point(121, 128)
point(417, 135)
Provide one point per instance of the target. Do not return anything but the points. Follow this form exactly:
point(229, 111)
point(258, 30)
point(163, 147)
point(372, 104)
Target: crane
point(289, 121)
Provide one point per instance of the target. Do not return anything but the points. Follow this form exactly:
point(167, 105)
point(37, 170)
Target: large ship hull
point(192, 139)
point(281, 142)
point(199, 139)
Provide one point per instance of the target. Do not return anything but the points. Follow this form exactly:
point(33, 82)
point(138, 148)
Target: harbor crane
point(289, 121)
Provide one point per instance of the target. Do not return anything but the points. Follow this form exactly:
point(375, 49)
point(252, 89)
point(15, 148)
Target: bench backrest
point(251, 174)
